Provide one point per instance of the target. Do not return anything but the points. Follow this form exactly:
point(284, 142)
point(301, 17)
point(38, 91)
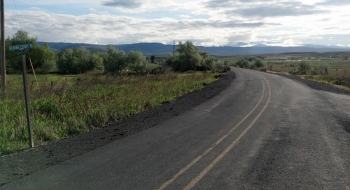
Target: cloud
point(235, 38)
point(218, 4)
point(106, 28)
point(205, 22)
point(277, 10)
point(335, 3)
point(130, 4)
point(217, 24)
point(262, 9)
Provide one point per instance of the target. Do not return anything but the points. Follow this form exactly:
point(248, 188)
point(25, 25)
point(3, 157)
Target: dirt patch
point(26, 162)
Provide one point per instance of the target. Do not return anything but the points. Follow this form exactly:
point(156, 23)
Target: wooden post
point(26, 98)
point(2, 51)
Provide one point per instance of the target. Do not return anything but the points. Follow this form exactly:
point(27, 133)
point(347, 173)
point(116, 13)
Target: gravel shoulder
point(26, 162)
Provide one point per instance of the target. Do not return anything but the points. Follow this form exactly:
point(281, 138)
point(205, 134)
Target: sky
point(204, 22)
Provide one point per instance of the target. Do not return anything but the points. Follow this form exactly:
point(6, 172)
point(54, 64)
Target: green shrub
point(303, 68)
point(258, 63)
point(243, 63)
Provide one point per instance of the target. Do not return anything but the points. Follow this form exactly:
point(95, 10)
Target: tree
point(136, 61)
point(114, 60)
point(79, 60)
point(39, 55)
point(189, 57)
point(43, 58)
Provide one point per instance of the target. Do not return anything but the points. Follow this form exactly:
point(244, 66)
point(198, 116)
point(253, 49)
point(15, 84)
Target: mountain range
point(160, 49)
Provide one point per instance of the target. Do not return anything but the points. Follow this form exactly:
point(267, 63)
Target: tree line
point(80, 60)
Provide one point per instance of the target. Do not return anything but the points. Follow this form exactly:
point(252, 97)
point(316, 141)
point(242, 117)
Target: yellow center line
point(218, 158)
point(167, 183)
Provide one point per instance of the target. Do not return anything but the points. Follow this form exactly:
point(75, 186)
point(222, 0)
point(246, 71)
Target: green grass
point(62, 106)
point(151, 66)
point(338, 70)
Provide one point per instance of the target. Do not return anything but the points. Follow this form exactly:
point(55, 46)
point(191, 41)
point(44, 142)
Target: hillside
point(162, 49)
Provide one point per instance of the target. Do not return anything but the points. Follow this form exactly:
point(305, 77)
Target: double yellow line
point(196, 179)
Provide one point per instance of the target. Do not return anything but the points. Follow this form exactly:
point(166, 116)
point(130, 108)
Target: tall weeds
point(65, 107)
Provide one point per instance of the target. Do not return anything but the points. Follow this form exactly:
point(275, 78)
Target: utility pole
point(174, 48)
point(2, 48)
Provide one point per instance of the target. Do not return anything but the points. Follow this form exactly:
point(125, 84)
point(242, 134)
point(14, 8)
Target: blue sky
point(205, 22)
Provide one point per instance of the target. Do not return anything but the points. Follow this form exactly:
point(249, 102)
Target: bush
point(303, 68)
point(242, 63)
point(258, 63)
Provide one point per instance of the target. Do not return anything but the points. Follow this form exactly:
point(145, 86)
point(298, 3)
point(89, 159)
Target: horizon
point(257, 45)
point(208, 23)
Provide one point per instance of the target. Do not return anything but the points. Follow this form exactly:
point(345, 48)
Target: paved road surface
point(263, 132)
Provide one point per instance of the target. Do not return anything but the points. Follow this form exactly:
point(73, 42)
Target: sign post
point(20, 50)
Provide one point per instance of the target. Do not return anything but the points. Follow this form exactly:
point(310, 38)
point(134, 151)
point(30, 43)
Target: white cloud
point(206, 22)
point(185, 16)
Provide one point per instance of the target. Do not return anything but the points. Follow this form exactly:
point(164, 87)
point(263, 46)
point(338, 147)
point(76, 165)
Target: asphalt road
point(263, 132)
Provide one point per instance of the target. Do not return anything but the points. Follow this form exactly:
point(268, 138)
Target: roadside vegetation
point(334, 70)
point(331, 68)
point(78, 90)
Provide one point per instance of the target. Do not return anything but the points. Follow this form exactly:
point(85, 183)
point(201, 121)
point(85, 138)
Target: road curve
point(263, 132)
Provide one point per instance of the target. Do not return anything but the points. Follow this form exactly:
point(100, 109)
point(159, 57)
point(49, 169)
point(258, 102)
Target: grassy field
point(337, 64)
point(65, 105)
point(333, 71)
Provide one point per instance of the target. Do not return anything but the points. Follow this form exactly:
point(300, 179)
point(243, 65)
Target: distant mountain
point(162, 49)
point(260, 45)
point(323, 46)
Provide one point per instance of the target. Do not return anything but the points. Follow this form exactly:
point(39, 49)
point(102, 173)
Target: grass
point(67, 105)
point(338, 70)
point(338, 66)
